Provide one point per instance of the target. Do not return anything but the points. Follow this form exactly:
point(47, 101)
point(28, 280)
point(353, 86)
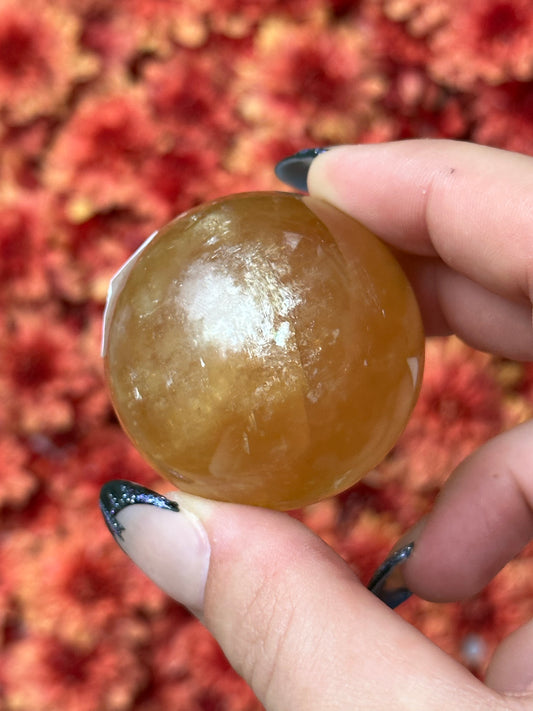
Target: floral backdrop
point(115, 115)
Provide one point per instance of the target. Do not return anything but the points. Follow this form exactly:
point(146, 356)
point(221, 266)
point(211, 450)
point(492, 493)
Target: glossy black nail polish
point(387, 583)
point(294, 169)
point(119, 493)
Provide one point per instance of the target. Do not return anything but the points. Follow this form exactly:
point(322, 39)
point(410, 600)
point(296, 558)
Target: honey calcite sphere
point(263, 349)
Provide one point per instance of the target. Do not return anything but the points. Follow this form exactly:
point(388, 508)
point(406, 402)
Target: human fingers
point(465, 215)
point(468, 204)
point(287, 611)
point(510, 670)
point(482, 518)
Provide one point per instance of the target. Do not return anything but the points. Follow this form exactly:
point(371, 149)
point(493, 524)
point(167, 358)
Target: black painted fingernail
point(119, 493)
point(294, 169)
point(387, 582)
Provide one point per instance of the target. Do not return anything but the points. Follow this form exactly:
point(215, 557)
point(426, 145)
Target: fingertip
point(165, 537)
point(370, 182)
point(467, 203)
point(289, 614)
point(510, 670)
point(483, 518)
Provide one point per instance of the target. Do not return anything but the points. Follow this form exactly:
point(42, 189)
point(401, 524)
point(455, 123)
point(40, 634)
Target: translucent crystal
point(264, 349)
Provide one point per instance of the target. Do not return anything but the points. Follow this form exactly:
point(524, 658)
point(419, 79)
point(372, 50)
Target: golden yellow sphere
point(263, 349)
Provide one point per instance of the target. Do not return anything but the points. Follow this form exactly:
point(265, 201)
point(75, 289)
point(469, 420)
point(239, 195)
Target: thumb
point(288, 613)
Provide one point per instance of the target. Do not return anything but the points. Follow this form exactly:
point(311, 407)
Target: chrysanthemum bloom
point(110, 34)
point(503, 116)
point(24, 223)
point(192, 97)
point(98, 156)
point(484, 41)
point(42, 672)
point(313, 79)
point(83, 575)
point(192, 92)
point(191, 672)
point(40, 60)
point(100, 453)
point(43, 372)
point(459, 408)
point(419, 17)
point(93, 249)
point(17, 482)
point(114, 156)
point(415, 105)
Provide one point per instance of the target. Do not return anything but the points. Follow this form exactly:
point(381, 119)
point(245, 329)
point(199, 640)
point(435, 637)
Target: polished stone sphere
point(264, 349)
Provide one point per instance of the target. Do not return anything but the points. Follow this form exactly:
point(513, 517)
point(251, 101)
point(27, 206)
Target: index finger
point(462, 216)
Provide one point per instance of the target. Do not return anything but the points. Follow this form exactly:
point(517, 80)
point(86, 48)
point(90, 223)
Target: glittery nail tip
point(386, 582)
point(294, 169)
point(119, 493)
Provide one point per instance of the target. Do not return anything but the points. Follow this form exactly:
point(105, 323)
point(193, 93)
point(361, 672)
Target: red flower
point(99, 156)
point(42, 372)
point(459, 409)
point(504, 116)
point(312, 79)
point(94, 249)
point(483, 40)
point(41, 672)
point(190, 94)
point(85, 572)
point(17, 482)
point(22, 148)
point(39, 59)
point(110, 33)
point(191, 671)
point(23, 247)
point(182, 177)
point(102, 453)
point(415, 105)
point(420, 18)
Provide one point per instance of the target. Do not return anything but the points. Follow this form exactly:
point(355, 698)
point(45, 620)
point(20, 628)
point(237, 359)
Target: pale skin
point(291, 617)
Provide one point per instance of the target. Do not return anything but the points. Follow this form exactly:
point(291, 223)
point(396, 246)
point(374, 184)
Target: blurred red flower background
point(116, 116)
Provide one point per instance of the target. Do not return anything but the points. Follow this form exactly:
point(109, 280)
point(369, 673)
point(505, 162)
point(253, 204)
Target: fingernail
point(387, 582)
point(294, 169)
point(168, 542)
point(119, 493)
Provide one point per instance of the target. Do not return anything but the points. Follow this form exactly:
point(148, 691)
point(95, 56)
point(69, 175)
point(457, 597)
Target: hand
point(290, 615)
